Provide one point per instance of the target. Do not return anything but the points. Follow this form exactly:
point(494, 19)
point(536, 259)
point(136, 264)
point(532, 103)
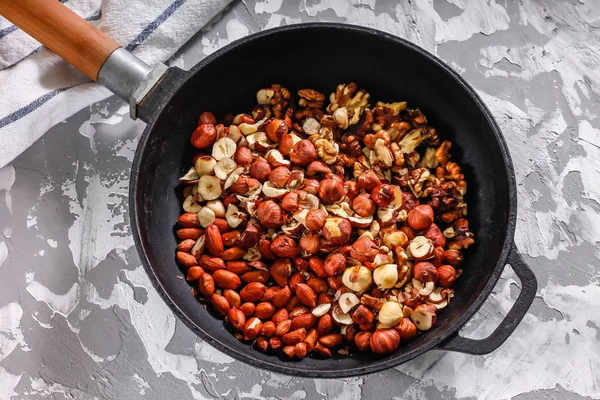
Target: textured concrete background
point(80, 320)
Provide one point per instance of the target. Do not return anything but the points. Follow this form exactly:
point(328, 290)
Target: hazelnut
point(385, 276)
point(317, 167)
point(303, 153)
point(384, 341)
point(368, 180)
point(420, 217)
point(249, 238)
point(204, 136)
point(269, 214)
point(290, 202)
point(207, 118)
point(362, 340)
point(311, 186)
point(296, 179)
point(337, 230)
point(357, 278)
point(351, 189)
point(286, 143)
point(421, 248)
point(453, 257)
point(281, 270)
point(243, 156)
point(408, 231)
point(362, 315)
point(315, 220)
point(435, 235)
point(318, 266)
point(424, 316)
point(260, 169)
point(331, 191)
point(406, 329)
point(334, 264)
point(390, 314)
point(363, 205)
point(425, 272)
point(284, 246)
point(364, 249)
point(309, 244)
point(244, 185)
point(279, 176)
point(383, 195)
point(276, 129)
point(394, 238)
point(447, 275)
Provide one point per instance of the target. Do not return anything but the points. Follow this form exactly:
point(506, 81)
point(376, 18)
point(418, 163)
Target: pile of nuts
point(315, 230)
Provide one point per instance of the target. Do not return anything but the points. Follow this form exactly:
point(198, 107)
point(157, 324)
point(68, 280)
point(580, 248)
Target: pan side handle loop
point(512, 319)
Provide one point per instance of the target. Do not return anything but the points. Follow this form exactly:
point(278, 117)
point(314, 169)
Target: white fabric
point(39, 90)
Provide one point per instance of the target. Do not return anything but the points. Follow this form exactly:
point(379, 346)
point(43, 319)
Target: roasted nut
point(226, 279)
point(331, 191)
point(321, 351)
point(186, 245)
point(260, 169)
point(210, 263)
point(264, 310)
point(290, 202)
point(362, 340)
point(303, 153)
point(334, 264)
point(424, 316)
point(306, 321)
point(425, 272)
point(207, 118)
point(318, 266)
point(253, 291)
point(434, 234)
point(325, 324)
point(275, 343)
point(268, 329)
point(262, 343)
point(233, 253)
point(232, 297)
point(309, 244)
point(368, 180)
point(420, 217)
point(364, 249)
point(311, 339)
point(357, 278)
point(220, 304)
point(214, 244)
point(315, 220)
point(421, 248)
point(297, 310)
point(306, 295)
point(189, 233)
point(236, 318)
point(289, 351)
point(294, 337)
point(337, 230)
point(252, 328)
point(269, 214)
point(362, 315)
point(332, 340)
point(390, 314)
point(248, 309)
point(280, 316)
point(194, 273)
point(363, 205)
point(186, 259)
point(453, 257)
point(276, 129)
point(282, 298)
point(204, 136)
point(281, 270)
point(250, 236)
point(243, 156)
point(317, 284)
point(284, 246)
point(206, 285)
point(300, 350)
point(279, 176)
point(447, 275)
point(385, 276)
point(384, 341)
point(383, 195)
point(406, 329)
point(189, 220)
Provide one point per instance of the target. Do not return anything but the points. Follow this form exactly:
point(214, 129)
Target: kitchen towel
point(39, 90)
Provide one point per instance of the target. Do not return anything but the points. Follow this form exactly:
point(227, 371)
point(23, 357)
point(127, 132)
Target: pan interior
point(320, 58)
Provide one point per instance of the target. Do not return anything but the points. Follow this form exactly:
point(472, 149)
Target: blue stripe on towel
point(146, 32)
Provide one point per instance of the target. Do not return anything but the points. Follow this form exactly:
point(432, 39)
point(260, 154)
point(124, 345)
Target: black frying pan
point(320, 56)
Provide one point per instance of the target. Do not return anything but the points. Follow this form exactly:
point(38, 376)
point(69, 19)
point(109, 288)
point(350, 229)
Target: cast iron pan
point(320, 56)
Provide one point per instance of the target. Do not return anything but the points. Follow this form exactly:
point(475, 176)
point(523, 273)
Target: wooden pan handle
point(62, 31)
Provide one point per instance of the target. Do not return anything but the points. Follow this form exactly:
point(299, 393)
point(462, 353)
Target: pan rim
point(296, 369)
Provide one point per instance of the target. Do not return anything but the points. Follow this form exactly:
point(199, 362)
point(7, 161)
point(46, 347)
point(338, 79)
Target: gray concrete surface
point(80, 320)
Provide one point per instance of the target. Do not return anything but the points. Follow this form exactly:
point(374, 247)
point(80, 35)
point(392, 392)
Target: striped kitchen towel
point(39, 90)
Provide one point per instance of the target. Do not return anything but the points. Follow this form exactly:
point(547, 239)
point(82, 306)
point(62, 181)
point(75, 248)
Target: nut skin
point(248, 309)
point(284, 246)
point(285, 144)
point(306, 294)
point(269, 214)
point(262, 344)
point(425, 272)
point(264, 246)
point(301, 350)
point(406, 329)
point(280, 316)
point(435, 235)
point(194, 273)
point(282, 298)
point(189, 233)
point(207, 118)
point(204, 136)
point(331, 191)
point(290, 202)
point(186, 245)
point(268, 329)
point(226, 279)
point(364, 249)
point(309, 244)
point(252, 328)
point(242, 156)
point(264, 310)
point(351, 332)
point(315, 220)
point(260, 169)
point(275, 343)
point(233, 253)
point(420, 217)
point(294, 337)
point(335, 264)
point(220, 304)
point(384, 341)
point(299, 310)
point(303, 153)
point(250, 236)
point(280, 271)
point(256, 276)
point(231, 238)
point(311, 186)
point(270, 293)
point(188, 220)
point(331, 340)
point(221, 225)
point(325, 325)
point(337, 230)
point(289, 351)
point(210, 263)
point(447, 275)
point(317, 284)
point(186, 259)
point(363, 205)
point(275, 129)
point(311, 339)
point(295, 279)
point(214, 244)
point(321, 351)
point(317, 167)
point(362, 315)
point(408, 231)
point(236, 318)
point(317, 265)
point(383, 194)
point(362, 340)
point(305, 321)
point(253, 291)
